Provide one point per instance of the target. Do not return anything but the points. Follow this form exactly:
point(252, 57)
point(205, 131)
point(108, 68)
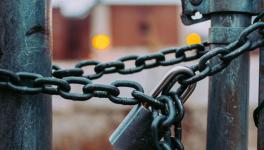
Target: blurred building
point(70, 36)
point(129, 23)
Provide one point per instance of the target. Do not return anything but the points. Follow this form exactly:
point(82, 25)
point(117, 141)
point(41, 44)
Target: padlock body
point(134, 132)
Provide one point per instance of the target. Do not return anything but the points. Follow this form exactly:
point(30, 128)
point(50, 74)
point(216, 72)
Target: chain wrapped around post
point(168, 108)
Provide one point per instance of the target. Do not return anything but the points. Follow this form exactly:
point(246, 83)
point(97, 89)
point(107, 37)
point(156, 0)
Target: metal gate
point(27, 79)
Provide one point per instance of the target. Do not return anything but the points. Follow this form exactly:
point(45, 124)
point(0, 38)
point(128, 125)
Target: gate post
point(227, 122)
point(25, 120)
point(261, 99)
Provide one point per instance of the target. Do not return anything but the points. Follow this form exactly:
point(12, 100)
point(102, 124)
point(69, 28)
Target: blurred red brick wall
point(144, 25)
point(71, 37)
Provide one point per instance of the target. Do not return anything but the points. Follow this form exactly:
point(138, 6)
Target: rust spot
point(36, 29)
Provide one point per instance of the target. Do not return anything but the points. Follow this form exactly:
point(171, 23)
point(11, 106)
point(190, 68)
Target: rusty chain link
point(169, 104)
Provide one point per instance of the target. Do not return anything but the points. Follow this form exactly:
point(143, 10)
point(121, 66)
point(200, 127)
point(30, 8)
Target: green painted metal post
point(25, 120)
point(227, 126)
point(261, 99)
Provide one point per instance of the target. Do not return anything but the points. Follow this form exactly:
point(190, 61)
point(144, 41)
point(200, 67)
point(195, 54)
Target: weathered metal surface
point(134, 132)
point(228, 99)
point(188, 10)
point(227, 126)
point(207, 7)
point(261, 99)
point(224, 35)
point(25, 121)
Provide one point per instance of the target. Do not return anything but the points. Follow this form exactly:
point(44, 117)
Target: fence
point(25, 107)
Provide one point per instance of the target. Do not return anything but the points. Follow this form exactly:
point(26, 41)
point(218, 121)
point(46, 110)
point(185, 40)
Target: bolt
point(196, 2)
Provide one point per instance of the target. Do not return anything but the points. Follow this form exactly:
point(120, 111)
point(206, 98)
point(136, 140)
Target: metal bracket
point(207, 7)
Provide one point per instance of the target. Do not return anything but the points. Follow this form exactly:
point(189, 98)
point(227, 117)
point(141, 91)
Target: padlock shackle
point(170, 77)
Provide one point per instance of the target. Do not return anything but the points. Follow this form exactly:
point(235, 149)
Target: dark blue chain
point(170, 106)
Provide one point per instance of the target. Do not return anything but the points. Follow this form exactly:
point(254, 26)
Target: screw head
point(196, 2)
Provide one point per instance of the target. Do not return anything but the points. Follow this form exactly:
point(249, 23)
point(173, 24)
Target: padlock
point(134, 132)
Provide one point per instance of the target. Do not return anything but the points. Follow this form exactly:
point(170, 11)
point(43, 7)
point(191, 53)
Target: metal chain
point(168, 108)
point(140, 62)
point(163, 123)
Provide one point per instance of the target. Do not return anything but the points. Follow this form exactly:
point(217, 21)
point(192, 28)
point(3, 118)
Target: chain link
point(140, 62)
point(168, 108)
point(164, 121)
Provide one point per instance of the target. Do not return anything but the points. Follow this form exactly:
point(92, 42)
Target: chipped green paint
point(227, 126)
point(24, 46)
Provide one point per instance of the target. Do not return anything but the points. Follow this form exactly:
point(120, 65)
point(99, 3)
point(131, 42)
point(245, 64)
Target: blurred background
point(105, 30)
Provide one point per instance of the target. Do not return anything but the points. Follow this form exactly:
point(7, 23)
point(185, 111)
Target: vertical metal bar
point(25, 120)
point(227, 127)
point(261, 99)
